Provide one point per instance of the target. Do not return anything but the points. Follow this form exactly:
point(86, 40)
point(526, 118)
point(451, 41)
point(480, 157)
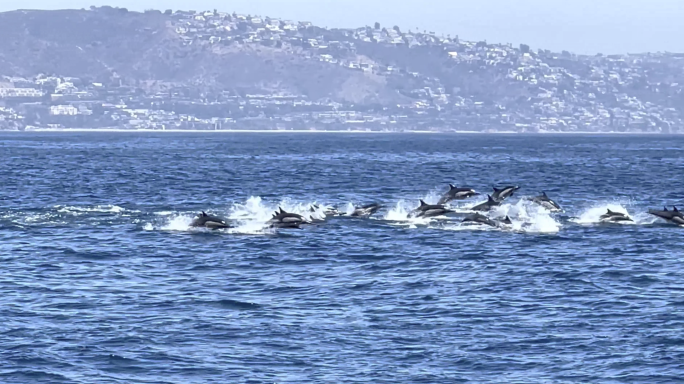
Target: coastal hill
point(109, 67)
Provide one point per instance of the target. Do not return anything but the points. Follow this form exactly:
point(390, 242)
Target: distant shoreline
point(224, 131)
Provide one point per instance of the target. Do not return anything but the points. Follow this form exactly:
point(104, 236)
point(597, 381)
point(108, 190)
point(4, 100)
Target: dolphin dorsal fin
point(544, 194)
point(422, 203)
point(452, 186)
point(507, 218)
point(490, 198)
point(496, 189)
point(675, 208)
point(610, 212)
point(665, 209)
point(282, 210)
point(204, 214)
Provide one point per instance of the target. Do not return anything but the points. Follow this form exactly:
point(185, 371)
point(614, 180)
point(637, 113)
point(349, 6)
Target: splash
point(177, 223)
point(526, 217)
point(250, 217)
point(400, 214)
point(592, 215)
point(433, 196)
point(349, 209)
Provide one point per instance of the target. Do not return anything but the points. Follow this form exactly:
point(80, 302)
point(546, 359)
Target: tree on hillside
point(377, 25)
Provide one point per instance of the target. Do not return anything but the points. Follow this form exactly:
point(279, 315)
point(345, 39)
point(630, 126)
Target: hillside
point(221, 64)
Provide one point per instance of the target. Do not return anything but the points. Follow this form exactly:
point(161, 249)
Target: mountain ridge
point(434, 81)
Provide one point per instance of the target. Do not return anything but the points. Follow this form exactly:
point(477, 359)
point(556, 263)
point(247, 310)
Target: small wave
point(74, 210)
point(235, 304)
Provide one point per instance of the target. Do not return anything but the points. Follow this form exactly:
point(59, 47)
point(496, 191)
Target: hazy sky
point(582, 26)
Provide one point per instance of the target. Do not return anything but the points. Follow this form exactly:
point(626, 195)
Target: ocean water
point(103, 281)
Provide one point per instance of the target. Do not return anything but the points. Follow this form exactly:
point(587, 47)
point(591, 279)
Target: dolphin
point(504, 193)
point(327, 211)
point(614, 217)
point(366, 210)
point(478, 218)
point(456, 194)
point(673, 216)
point(429, 210)
point(487, 205)
point(546, 202)
point(208, 221)
point(282, 219)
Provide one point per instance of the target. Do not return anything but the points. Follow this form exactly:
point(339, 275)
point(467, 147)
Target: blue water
point(102, 280)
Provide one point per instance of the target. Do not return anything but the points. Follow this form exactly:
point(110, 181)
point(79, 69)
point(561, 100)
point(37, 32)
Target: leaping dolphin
point(504, 193)
point(429, 210)
point(366, 210)
point(673, 216)
point(487, 205)
point(327, 211)
point(282, 219)
point(614, 217)
point(456, 194)
point(478, 218)
point(203, 220)
point(546, 202)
